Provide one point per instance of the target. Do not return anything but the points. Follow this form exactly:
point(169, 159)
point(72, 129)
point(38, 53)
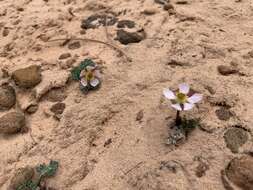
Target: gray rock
point(227, 70)
point(64, 56)
point(240, 172)
point(96, 20)
point(223, 114)
point(27, 77)
point(162, 2)
point(74, 45)
point(125, 37)
point(126, 24)
point(7, 97)
point(235, 138)
point(12, 122)
point(58, 108)
point(21, 176)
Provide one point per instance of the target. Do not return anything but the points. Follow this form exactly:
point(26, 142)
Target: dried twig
point(95, 41)
point(134, 167)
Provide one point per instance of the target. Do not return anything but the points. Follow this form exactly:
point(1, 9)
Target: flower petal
point(195, 98)
point(169, 94)
point(188, 106)
point(177, 107)
point(82, 74)
point(97, 73)
point(83, 82)
point(94, 82)
point(184, 88)
point(90, 68)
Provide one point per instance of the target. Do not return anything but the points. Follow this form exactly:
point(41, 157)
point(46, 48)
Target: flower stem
point(178, 119)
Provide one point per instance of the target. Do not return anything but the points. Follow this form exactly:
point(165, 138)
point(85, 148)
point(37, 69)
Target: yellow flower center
point(89, 75)
point(181, 98)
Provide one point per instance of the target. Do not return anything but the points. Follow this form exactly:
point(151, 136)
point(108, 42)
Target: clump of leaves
point(43, 171)
point(189, 124)
point(179, 132)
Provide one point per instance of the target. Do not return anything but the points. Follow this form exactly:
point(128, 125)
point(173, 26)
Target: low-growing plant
point(43, 171)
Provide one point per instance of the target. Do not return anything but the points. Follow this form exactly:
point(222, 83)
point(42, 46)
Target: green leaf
point(47, 170)
point(75, 73)
point(29, 185)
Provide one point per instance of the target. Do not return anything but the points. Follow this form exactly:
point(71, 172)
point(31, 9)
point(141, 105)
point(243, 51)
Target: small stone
point(55, 95)
point(7, 97)
point(168, 6)
point(177, 136)
point(162, 2)
point(150, 11)
point(240, 172)
point(139, 116)
point(126, 23)
point(5, 32)
point(58, 108)
point(201, 169)
point(94, 21)
point(32, 109)
point(227, 70)
point(27, 77)
point(12, 122)
point(64, 56)
point(125, 37)
point(223, 114)
point(21, 176)
point(181, 2)
point(74, 45)
point(235, 138)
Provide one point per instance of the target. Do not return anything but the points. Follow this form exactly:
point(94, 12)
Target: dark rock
point(55, 95)
point(27, 77)
point(21, 176)
point(223, 114)
point(201, 169)
point(5, 32)
point(235, 138)
point(32, 109)
point(227, 70)
point(125, 37)
point(126, 23)
point(108, 142)
point(74, 45)
point(139, 116)
point(7, 97)
point(168, 6)
point(240, 172)
point(12, 122)
point(181, 2)
point(150, 11)
point(64, 56)
point(94, 21)
point(58, 108)
point(162, 2)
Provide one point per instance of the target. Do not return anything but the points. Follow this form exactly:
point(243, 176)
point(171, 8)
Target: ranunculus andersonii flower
point(90, 76)
point(182, 99)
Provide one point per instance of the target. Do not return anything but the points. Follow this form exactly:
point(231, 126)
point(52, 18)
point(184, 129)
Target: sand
point(98, 142)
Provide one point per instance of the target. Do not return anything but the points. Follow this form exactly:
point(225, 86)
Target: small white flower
point(90, 76)
point(182, 100)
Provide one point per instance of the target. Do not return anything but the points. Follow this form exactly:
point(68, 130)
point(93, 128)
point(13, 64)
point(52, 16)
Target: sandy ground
point(98, 142)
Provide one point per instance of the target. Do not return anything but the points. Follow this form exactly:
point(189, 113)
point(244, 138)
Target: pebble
point(235, 138)
point(21, 176)
point(96, 20)
point(150, 11)
point(74, 45)
point(32, 109)
point(12, 122)
point(223, 114)
point(181, 2)
point(126, 23)
point(27, 77)
point(55, 95)
point(240, 172)
point(7, 97)
point(168, 6)
point(162, 2)
point(5, 32)
point(125, 37)
point(227, 70)
point(64, 56)
point(58, 108)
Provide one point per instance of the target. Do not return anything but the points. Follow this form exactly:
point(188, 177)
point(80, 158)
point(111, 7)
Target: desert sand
point(115, 138)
